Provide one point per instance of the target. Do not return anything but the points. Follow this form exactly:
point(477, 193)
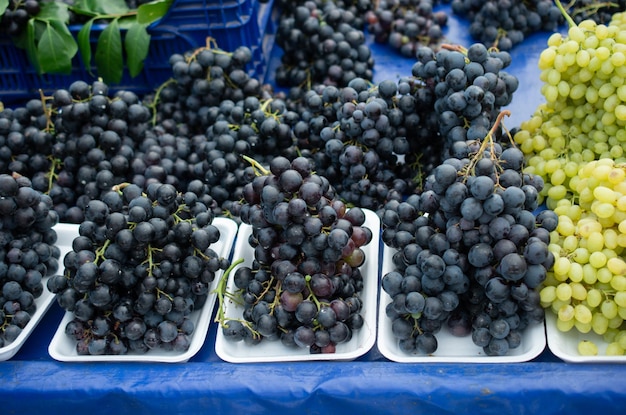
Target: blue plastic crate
point(186, 26)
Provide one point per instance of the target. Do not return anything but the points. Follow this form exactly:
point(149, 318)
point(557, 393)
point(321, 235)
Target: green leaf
point(54, 10)
point(109, 59)
point(55, 48)
point(30, 46)
point(149, 12)
point(126, 22)
point(137, 43)
point(3, 6)
point(84, 44)
point(101, 7)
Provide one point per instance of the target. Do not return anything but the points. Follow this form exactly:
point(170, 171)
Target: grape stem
point(567, 17)
point(220, 291)
point(488, 141)
point(258, 168)
point(55, 164)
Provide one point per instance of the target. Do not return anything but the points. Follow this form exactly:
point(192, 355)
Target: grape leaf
point(30, 45)
point(137, 43)
point(54, 10)
point(126, 22)
point(84, 44)
point(154, 10)
point(103, 7)
point(109, 59)
point(3, 6)
point(56, 48)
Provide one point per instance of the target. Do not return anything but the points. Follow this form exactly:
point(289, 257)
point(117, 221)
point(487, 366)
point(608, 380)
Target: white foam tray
point(564, 345)
point(451, 349)
point(63, 348)
point(274, 351)
point(65, 233)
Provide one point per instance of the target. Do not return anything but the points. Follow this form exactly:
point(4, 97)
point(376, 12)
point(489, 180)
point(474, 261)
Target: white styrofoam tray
point(451, 349)
point(274, 351)
point(564, 345)
point(63, 348)
point(65, 233)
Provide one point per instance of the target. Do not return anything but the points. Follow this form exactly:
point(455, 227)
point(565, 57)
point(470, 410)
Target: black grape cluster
point(201, 80)
point(355, 12)
point(74, 144)
point(16, 16)
point(504, 23)
point(468, 88)
point(469, 253)
point(303, 286)
point(321, 45)
point(252, 126)
point(80, 141)
point(95, 140)
point(142, 263)
point(407, 25)
point(370, 134)
point(28, 252)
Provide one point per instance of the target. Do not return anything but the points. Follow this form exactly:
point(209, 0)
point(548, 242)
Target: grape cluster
point(250, 126)
point(16, 16)
point(469, 253)
point(504, 23)
point(320, 45)
point(363, 138)
point(28, 251)
point(201, 80)
point(304, 283)
point(74, 144)
point(354, 12)
point(586, 289)
point(584, 115)
point(467, 88)
point(142, 263)
point(80, 141)
point(407, 25)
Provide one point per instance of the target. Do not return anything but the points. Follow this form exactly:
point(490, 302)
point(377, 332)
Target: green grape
point(587, 348)
point(590, 274)
point(599, 324)
point(547, 295)
point(597, 259)
point(619, 298)
point(614, 349)
point(594, 297)
point(564, 326)
point(582, 314)
point(616, 322)
point(604, 275)
point(561, 266)
point(620, 338)
point(566, 312)
point(563, 292)
point(579, 292)
point(610, 334)
point(618, 283)
point(582, 327)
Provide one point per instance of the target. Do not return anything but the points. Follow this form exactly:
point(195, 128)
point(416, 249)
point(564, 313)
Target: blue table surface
point(32, 382)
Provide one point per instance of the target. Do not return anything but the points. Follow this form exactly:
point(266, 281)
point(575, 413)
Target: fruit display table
point(33, 382)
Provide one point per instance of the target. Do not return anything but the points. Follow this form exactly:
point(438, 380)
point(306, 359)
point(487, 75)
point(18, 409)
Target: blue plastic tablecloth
point(32, 382)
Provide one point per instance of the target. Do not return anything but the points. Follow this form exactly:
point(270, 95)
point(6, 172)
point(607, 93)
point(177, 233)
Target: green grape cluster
point(584, 113)
point(586, 288)
point(576, 142)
